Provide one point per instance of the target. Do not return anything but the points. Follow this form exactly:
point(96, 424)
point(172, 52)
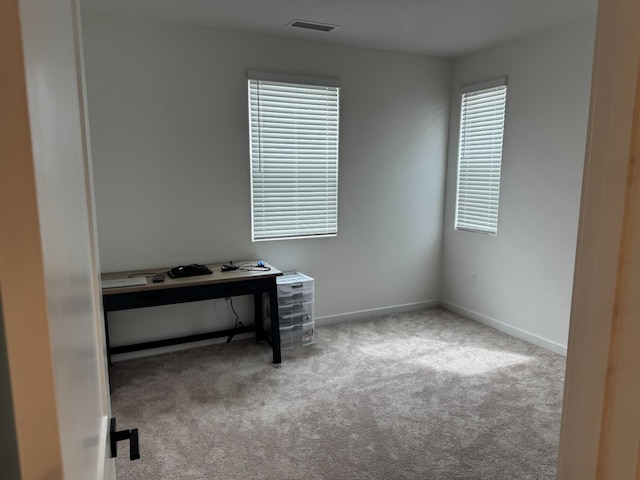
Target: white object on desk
point(124, 282)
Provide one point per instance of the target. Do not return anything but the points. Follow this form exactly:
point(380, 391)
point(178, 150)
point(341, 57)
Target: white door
point(48, 254)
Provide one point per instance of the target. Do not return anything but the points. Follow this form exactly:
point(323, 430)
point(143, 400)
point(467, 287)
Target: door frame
point(601, 308)
point(37, 290)
point(22, 271)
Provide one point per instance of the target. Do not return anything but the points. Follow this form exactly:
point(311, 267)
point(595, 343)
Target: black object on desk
point(189, 270)
point(194, 289)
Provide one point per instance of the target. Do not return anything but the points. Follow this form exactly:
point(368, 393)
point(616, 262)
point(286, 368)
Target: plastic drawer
point(294, 284)
point(297, 335)
point(295, 314)
point(296, 297)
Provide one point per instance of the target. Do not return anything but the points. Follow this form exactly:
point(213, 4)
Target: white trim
point(326, 320)
point(102, 449)
point(299, 79)
point(496, 82)
point(375, 312)
point(506, 328)
point(369, 314)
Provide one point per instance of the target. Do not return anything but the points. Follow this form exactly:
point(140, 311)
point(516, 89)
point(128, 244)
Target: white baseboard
point(503, 327)
point(359, 315)
point(375, 312)
point(368, 314)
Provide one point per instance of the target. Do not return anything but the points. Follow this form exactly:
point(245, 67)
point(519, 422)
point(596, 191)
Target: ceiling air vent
point(322, 27)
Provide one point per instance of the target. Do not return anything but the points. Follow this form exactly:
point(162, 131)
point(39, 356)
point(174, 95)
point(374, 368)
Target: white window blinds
point(480, 157)
point(294, 159)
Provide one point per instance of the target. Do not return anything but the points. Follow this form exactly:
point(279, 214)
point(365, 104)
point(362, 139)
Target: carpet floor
point(420, 395)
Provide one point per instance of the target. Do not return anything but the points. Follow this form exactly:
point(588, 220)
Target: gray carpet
point(422, 395)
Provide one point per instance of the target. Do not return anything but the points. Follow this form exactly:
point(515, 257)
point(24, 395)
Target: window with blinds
point(482, 115)
point(294, 128)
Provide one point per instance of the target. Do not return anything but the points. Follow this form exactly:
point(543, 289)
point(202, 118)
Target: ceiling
point(447, 28)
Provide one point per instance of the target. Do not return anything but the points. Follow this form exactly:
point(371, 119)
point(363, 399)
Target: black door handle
point(134, 448)
point(131, 435)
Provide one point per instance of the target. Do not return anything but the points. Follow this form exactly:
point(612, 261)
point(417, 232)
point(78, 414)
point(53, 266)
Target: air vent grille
point(321, 27)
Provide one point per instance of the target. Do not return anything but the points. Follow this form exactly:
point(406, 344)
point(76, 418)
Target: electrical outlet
point(472, 278)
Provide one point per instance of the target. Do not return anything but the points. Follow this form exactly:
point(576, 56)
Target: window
point(294, 156)
point(482, 114)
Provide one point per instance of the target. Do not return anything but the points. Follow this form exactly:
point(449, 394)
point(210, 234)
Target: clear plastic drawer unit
point(295, 309)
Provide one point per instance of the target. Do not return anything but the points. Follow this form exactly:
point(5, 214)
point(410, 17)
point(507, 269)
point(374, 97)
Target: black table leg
point(257, 302)
point(275, 321)
point(106, 337)
point(108, 345)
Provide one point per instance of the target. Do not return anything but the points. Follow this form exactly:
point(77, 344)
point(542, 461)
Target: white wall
point(168, 113)
point(524, 275)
